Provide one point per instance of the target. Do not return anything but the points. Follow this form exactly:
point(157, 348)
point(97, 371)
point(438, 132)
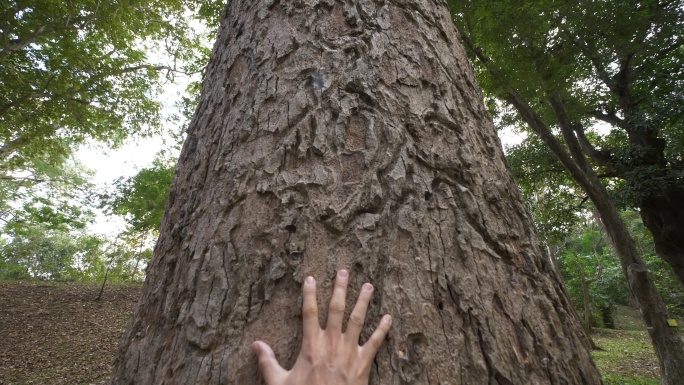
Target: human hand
point(328, 356)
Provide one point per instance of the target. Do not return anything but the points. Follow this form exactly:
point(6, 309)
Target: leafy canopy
point(38, 251)
point(141, 199)
point(52, 195)
point(584, 248)
point(616, 67)
point(82, 71)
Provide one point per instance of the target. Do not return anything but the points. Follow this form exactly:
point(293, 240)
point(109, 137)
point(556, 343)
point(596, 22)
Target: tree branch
point(16, 143)
point(7, 148)
point(602, 157)
point(537, 125)
point(599, 273)
point(568, 131)
point(25, 98)
point(609, 117)
point(623, 79)
point(92, 79)
point(17, 44)
point(477, 50)
point(584, 200)
point(601, 70)
point(14, 45)
point(23, 181)
point(583, 176)
point(660, 55)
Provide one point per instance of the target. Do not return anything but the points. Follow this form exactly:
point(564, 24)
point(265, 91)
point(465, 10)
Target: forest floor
point(55, 333)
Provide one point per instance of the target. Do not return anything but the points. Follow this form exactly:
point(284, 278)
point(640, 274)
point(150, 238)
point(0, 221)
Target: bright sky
point(125, 161)
point(112, 164)
point(509, 137)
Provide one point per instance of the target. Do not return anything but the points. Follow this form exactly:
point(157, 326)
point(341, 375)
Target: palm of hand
point(328, 356)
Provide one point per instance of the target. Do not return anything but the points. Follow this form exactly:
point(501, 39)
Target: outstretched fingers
point(370, 349)
point(337, 303)
point(328, 355)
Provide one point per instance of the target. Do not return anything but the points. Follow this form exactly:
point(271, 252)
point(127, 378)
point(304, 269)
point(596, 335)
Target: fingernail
point(256, 348)
point(387, 319)
point(367, 287)
point(343, 273)
point(310, 280)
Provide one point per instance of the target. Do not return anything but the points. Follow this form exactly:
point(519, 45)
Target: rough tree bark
point(348, 134)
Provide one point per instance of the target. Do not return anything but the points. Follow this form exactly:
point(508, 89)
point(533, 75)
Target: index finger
point(310, 309)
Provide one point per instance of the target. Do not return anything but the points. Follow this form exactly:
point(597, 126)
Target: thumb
point(268, 364)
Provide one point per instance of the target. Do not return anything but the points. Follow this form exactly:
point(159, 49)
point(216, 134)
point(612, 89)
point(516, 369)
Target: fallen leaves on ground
point(56, 333)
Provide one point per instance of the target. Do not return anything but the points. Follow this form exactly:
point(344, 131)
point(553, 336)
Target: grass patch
point(610, 379)
point(627, 357)
point(627, 318)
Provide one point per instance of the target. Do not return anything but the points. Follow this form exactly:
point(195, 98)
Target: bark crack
point(435, 296)
point(482, 344)
point(441, 309)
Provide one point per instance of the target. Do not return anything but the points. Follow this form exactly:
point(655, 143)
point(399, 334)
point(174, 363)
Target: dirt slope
point(55, 333)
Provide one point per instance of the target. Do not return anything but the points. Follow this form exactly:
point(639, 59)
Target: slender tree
point(547, 94)
point(349, 134)
point(617, 63)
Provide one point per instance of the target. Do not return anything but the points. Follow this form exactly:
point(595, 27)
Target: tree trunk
point(663, 214)
point(348, 134)
point(588, 330)
point(137, 259)
point(551, 252)
point(586, 283)
point(586, 300)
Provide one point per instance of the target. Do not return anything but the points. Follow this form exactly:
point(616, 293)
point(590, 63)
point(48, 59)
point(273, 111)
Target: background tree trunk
point(663, 214)
point(348, 134)
point(667, 343)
